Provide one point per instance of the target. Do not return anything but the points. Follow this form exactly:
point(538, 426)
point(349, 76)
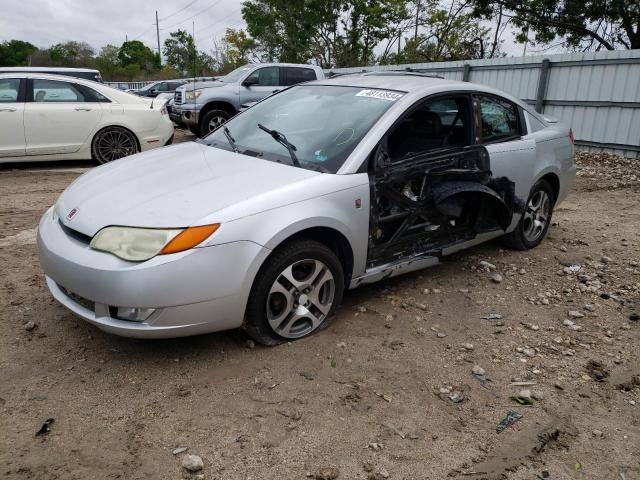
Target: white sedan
point(49, 117)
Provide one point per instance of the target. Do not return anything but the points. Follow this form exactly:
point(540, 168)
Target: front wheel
point(536, 219)
point(295, 293)
point(112, 143)
point(212, 120)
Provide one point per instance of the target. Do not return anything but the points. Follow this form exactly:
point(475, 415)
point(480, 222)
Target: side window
point(174, 85)
point(92, 95)
point(499, 119)
point(440, 123)
point(9, 90)
point(162, 87)
point(295, 75)
point(55, 91)
point(267, 77)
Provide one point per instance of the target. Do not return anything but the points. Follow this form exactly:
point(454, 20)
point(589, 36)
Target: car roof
point(46, 69)
point(413, 83)
point(47, 76)
point(274, 64)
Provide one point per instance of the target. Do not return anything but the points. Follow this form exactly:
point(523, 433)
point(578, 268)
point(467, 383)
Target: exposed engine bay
point(421, 205)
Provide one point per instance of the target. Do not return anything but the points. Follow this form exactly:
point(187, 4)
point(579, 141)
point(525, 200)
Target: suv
point(205, 107)
point(157, 88)
point(85, 73)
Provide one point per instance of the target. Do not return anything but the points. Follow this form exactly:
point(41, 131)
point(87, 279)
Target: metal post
point(466, 73)
point(543, 81)
point(158, 37)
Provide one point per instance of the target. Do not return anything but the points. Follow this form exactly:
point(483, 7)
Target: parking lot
point(387, 391)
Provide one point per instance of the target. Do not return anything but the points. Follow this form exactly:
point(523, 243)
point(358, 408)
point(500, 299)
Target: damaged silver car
point(325, 186)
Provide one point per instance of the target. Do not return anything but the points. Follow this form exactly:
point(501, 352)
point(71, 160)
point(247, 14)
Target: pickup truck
point(204, 107)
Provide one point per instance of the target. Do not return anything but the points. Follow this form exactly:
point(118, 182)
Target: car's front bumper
point(197, 291)
point(186, 114)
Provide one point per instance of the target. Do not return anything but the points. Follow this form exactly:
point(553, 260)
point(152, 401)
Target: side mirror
point(251, 81)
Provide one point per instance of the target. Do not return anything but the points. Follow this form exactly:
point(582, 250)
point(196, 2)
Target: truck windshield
point(235, 75)
point(324, 123)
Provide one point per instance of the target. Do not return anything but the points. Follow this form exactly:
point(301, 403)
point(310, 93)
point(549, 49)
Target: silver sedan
point(320, 188)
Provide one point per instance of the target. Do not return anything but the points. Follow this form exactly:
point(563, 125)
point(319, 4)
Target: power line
point(192, 16)
point(145, 32)
point(217, 22)
point(178, 11)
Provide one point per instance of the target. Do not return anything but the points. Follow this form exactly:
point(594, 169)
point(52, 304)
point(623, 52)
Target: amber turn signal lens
point(189, 238)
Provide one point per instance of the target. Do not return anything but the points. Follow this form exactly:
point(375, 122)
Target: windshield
point(235, 75)
point(324, 123)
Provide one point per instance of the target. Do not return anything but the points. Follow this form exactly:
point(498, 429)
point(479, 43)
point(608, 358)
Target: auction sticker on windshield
point(379, 94)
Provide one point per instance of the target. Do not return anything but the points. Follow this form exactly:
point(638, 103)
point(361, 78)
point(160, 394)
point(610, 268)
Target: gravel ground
point(387, 391)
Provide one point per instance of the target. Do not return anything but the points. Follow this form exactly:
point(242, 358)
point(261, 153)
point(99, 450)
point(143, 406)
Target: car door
point(12, 141)
point(500, 127)
point(434, 137)
point(259, 84)
point(59, 116)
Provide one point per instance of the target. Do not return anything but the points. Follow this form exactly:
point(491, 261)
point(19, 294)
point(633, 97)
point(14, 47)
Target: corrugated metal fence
point(597, 93)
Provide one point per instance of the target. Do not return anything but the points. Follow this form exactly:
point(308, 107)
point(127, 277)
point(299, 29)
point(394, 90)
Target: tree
point(183, 56)
point(581, 24)
point(72, 54)
point(135, 52)
point(448, 32)
point(16, 53)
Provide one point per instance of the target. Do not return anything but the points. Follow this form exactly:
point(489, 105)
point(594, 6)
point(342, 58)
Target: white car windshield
point(310, 126)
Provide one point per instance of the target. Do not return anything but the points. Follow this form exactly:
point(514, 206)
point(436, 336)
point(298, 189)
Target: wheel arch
point(554, 180)
point(217, 105)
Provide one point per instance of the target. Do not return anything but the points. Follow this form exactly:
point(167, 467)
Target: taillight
point(163, 109)
point(572, 137)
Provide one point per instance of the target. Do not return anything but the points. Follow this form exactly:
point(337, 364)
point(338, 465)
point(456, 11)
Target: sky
point(100, 22)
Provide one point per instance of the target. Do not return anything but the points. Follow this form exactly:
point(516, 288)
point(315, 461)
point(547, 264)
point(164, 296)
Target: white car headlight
point(139, 244)
point(193, 94)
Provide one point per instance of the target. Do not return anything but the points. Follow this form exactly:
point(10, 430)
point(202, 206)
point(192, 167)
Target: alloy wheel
point(300, 298)
point(114, 144)
point(536, 215)
point(216, 122)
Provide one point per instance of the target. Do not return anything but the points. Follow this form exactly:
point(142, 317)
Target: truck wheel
point(195, 130)
point(212, 120)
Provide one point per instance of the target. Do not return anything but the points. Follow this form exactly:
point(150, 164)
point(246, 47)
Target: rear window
point(293, 75)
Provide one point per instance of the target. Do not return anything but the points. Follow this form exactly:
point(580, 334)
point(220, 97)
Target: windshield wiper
point(230, 139)
point(282, 140)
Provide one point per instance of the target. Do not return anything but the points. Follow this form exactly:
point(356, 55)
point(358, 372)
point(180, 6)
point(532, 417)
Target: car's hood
point(170, 187)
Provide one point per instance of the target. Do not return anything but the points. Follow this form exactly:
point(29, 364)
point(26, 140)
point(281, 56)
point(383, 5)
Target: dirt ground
point(387, 391)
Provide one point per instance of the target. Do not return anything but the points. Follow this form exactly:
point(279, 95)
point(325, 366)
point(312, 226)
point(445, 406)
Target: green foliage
point(71, 54)
point(580, 24)
point(15, 53)
point(137, 53)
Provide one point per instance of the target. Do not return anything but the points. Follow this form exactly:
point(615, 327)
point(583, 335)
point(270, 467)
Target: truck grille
point(177, 97)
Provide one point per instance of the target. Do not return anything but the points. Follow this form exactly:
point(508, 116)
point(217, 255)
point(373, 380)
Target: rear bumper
point(158, 137)
point(197, 291)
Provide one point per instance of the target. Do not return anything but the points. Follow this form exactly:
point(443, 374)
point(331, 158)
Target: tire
point(281, 310)
point(212, 120)
point(535, 221)
point(112, 143)
point(195, 130)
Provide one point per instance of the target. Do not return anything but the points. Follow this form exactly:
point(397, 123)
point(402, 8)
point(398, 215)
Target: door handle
point(276, 90)
point(7, 109)
point(83, 109)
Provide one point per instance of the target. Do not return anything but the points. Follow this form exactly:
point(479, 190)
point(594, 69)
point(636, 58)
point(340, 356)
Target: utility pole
point(158, 37)
point(415, 35)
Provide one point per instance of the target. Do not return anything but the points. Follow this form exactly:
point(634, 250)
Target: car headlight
point(193, 94)
point(139, 244)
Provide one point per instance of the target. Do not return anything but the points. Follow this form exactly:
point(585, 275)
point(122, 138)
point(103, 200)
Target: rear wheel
point(535, 221)
point(212, 120)
point(112, 143)
point(295, 294)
